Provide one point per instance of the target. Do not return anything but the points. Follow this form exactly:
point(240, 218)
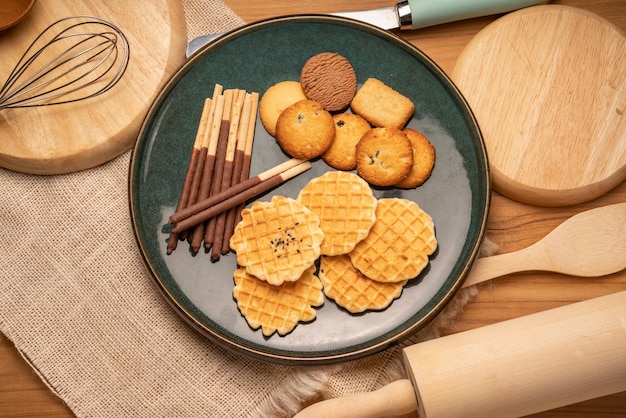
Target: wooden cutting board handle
point(514, 368)
point(525, 365)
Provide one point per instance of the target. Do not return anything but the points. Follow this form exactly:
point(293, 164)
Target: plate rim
point(314, 358)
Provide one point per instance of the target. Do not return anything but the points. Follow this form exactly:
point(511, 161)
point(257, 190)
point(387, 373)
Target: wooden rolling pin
point(510, 369)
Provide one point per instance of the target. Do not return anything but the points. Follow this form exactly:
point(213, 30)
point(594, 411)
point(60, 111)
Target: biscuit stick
point(195, 185)
point(237, 169)
point(240, 193)
point(242, 170)
point(207, 172)
point(218, 169)
point(227, 172)
point(183, 201)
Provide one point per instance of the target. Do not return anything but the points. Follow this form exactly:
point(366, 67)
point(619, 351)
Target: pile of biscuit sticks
point(217, 182)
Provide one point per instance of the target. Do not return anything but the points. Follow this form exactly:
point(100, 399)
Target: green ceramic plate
point(254, 58)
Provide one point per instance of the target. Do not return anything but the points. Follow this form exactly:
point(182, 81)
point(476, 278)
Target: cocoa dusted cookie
point(349, 129)
point(384, 156)
point(329, 79)
point(423, 160)
point(305, 130)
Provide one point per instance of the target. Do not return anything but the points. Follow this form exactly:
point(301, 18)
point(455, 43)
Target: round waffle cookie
point(277, 308)
point(399, 243)
point(346, 207)
point(278, 240)
point(349, 288)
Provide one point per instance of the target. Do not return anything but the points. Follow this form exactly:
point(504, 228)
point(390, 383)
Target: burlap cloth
point(78, 303)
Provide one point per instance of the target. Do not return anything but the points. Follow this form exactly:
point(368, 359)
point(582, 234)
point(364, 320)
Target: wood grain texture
point(524, 365)
point(512, 225)
point(548, 87)
point(589, 244)
point(76, 136)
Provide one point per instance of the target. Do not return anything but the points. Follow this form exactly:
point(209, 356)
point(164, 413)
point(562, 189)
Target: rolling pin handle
point(397, 398)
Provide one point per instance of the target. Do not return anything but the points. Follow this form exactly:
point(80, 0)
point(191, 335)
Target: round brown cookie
point(276, 99)
point(329, 78)
point(384, 156)
point(349, 129)
point(305, 130)
point(423, 160)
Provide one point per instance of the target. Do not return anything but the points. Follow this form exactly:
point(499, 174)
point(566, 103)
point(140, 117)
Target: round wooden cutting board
point(548, 87)
point(81, 135)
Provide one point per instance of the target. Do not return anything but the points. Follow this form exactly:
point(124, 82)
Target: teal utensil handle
point(434, 12)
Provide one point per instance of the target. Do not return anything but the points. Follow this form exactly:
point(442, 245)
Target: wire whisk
point(75, 58)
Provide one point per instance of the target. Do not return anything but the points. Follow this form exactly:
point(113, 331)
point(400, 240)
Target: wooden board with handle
point(548, 87)
point(81, 135)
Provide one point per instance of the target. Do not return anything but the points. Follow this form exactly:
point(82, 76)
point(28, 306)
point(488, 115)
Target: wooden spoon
point(589, 244)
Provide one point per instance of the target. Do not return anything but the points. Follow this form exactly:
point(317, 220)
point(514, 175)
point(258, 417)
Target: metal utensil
point(75, 58)
point(416, 14)
point(411, 14)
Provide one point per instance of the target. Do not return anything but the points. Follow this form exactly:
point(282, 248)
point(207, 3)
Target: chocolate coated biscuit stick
point(183, 201)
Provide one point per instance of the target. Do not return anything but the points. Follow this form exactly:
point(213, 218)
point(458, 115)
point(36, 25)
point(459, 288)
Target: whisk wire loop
point(81, 61)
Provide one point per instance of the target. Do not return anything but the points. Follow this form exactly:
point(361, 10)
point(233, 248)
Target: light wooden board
point(77, 136)
point(548, 87)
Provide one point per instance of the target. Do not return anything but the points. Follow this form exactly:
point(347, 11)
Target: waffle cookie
point(349, 288)
point(399, 243)
point(277, 308)
point(278, 240)
point(345, 206)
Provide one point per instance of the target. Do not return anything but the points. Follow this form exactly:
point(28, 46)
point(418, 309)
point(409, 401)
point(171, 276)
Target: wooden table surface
point(512, 226)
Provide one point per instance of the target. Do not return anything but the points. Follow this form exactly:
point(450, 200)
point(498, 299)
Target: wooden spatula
point(589, 244)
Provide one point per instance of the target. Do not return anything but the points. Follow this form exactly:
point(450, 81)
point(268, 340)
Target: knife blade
point(412, 14)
